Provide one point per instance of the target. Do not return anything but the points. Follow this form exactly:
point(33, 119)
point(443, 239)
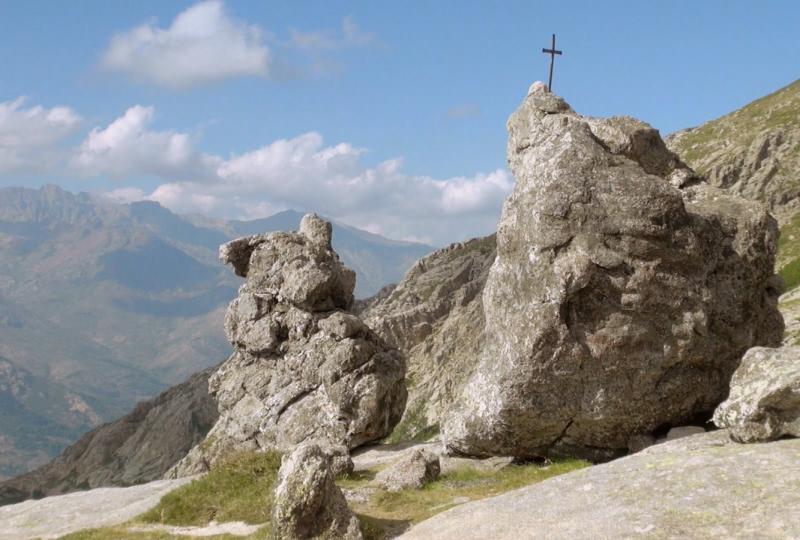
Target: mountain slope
point(114, 303)
point(139, 447)
point(754, 151)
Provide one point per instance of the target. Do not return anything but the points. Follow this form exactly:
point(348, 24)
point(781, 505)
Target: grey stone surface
point(624, 293)
point(435, 316)
point(302, 368)
point(53, 517)
point(764, 402)
point(412, 471)
point(308, 504)
point(702, 486)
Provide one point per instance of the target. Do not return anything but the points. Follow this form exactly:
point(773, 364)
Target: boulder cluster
point(303, 367)
point(624, 293)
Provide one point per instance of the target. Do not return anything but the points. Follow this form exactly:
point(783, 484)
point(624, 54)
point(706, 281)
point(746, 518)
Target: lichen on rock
point(624, 292)
point(303, 367)
point(308, 504)
point(764, 401)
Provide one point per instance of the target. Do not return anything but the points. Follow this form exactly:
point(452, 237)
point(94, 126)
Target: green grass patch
point(122, 533)
point(386, 512)
point(413, 427)
point(238, 489)
point(791, 274)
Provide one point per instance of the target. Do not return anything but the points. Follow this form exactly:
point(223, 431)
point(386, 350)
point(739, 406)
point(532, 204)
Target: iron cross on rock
point(552, 52)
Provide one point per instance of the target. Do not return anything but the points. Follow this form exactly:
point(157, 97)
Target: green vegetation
point(737, 130)
point(386, 512)
point(239, 489)
point(122, 533)
point(413, 427)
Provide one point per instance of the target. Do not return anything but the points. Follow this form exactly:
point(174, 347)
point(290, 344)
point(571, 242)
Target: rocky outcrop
point(764, 402)
point(303, 368)
point(410, 472)
point(703, 486)
point(624, 293)
point(753, 152)
point(137, 448)
point(307, 502)
point(435, 316)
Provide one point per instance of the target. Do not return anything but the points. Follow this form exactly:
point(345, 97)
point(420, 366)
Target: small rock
point(764, 402)
point(413, 471)
point(308, 504)
point(683, 431)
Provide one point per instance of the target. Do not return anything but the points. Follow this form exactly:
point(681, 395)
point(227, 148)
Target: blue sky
point(387, 115)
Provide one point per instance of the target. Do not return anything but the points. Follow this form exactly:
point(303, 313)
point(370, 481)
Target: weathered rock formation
point(135, 449)
point(303, 368)
point(704, 486)
point(764, 402)
point(410, 472)
point(308, 503)
point(435, 316)
point(624, 293)
point(753, 152)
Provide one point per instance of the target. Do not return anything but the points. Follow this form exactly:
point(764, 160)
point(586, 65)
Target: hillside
point(106, 305)
point(755, 152)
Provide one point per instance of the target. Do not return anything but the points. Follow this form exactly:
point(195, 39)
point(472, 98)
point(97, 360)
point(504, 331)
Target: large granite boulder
point(624, 293)
point(308, 503)
point(764, 403)
point(302, 367)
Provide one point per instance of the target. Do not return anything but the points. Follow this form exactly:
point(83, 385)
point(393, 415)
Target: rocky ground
point(53, 517)
point(703, 486)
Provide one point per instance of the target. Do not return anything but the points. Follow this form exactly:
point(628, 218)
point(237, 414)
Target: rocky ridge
point(303, 367)
point(435, 316)
point(753, 152)
point(624, 292)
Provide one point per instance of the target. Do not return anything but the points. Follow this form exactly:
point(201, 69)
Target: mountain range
point(103, 305)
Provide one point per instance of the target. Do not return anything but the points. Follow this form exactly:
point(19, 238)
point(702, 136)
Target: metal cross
point(552, 52)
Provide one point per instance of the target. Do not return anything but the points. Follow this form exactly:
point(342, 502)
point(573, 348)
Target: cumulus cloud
point(350, 35)
point(126, 147)
point(29, 136)
point(202, 45)
point(305, 174)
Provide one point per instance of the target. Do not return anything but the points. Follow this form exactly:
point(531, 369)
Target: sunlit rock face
point(303, 367)
point(624, 293)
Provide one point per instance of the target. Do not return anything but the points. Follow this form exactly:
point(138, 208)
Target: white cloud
point(127, 148)
point(202, 45)
point(350, 35)
point(305, 174)
point(302, 173)
point(29, 136)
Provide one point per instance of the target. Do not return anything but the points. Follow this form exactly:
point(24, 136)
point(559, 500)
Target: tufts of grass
point(387, 512)
point(791, 274)
point(237, 489)
point(413, 427)
point(122, 533)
